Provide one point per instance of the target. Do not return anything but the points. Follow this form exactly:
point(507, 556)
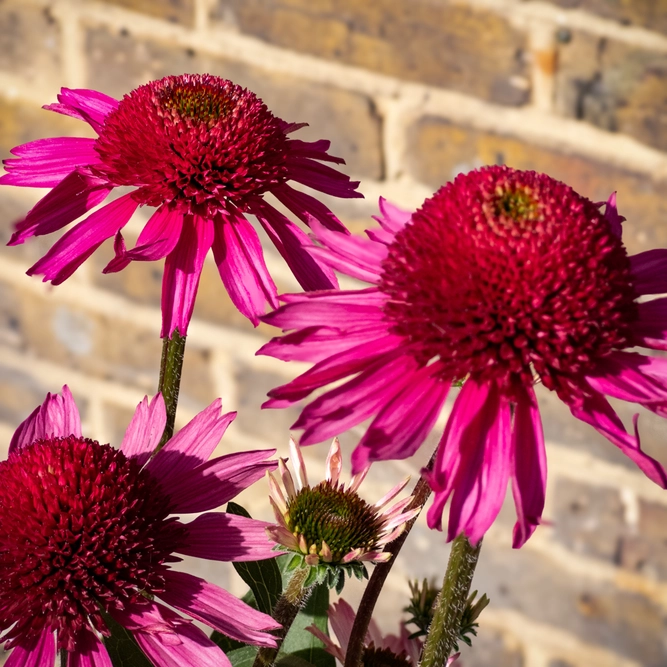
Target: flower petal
point(70, 199)
point(57, 417)
point(46, 162)
point(227, 537)
point(322, 178)
point(145, 429)
point(391, 218)
point(238, 254)
point(650, 328)
point(182, 271)
point(90, 106)
point(306, 207)
point(79, 243)
point(39, 651)
point(90, 652)
point(529, 467)
point(649, 271)
point(218, 609)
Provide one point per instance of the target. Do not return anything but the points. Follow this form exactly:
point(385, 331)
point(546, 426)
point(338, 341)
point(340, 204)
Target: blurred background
point(410, 93)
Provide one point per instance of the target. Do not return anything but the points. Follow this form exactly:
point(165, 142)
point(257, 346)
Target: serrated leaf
point(121, 646)
point(262, 576)
point(243, 657)
point(302, 644)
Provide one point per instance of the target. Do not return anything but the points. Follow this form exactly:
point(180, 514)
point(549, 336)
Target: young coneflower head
point(330, 524)
point(502, 279)
point(88, 532)
point(204, 152)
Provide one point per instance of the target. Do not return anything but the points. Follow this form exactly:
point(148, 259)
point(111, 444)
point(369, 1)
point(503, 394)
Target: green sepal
point(121, 645)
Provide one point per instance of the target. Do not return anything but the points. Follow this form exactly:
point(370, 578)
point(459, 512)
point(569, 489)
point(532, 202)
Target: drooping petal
point(182, 271)
point(145, 429)
point(306, 207)
point(156, 240)
point(57, 417)
point(70, 199)
point(296, 249)
point(238, 253)
point(46, 162)
point(322, 178)
point(650, 328)
point(218, 609)
point(597, 412)
point(90, 106)
point(90, 652)
point(227, 537)
point(529, 467)
point(392, 218)
point(192, 445)
point(403, 423)
point(79, 243)
point(649, 271)
point(39, 651)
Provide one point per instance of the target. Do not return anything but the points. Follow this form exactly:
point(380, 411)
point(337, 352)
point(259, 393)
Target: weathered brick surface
point(440, 150)
point(617, 87)
point(174, 11)
point(588, 520)
point(470, 50)
point(30, 43)
point(645, 13)
point(490, 648)
point(646, 550)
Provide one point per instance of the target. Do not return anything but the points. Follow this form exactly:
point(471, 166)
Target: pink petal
point(306, 207)
point(529, 467)
point(238, 254)
point(335, 368)
point(79, 243)
point(649, 271)
point(216, 482)
point(356, 400)
point(650, 329)
point(145, 430)
point(90, 652)
point(612, 216)
point(90, 106)
point(39, 651)
point(341, 619)
point(182, 271)
point(597, 412)
point(227, 537)
point(391, 218)
point(315, 150)
point(295, 248)
point(218, 609)
point(157, 239)
point(57, 417)
point(322, 178)
point(46, 162)
point(192, 445)
point(70, 199)
point(403, 423)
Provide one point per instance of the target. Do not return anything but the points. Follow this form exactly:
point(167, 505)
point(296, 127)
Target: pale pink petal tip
point(298, 465)
point(334, 463)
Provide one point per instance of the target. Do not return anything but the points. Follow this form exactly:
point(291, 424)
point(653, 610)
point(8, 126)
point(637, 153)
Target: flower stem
point(64, 655)
point(287, 607)
point(450, 604)
point(173, 349)
point(369, 599)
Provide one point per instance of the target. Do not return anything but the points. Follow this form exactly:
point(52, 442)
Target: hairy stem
point(369, 599)
point(287, 607)
point(451, 603)
point(173, 349)
point(64, 655)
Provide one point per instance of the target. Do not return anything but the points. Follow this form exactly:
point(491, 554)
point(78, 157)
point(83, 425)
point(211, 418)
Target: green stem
point(355, 647)
point(287, 607)
point(450, 604)
point(171, 365)
point(64, 655)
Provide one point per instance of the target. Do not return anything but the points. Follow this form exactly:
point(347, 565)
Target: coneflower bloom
point(204, 152)
point(329, 523)
point(502, 279)
point(87, 530)
point(379, 650)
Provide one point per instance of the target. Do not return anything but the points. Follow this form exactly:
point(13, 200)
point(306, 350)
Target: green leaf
point(243, 657)
point(262, 576)
point(302, 644)
point(121, 646)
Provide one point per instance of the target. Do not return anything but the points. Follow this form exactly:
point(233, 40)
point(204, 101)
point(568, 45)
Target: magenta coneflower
point(86, 529)
point(203, 151)
point(379, 650)
point(328, 523)
point(502, 279)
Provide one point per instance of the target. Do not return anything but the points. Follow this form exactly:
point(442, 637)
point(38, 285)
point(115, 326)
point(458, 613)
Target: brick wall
point(410, 92)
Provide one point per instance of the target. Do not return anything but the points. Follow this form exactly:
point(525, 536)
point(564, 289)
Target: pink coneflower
point(379, 650)
point(502, 279)
point(330, 524)
point(203, 151)
point(86, 529)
